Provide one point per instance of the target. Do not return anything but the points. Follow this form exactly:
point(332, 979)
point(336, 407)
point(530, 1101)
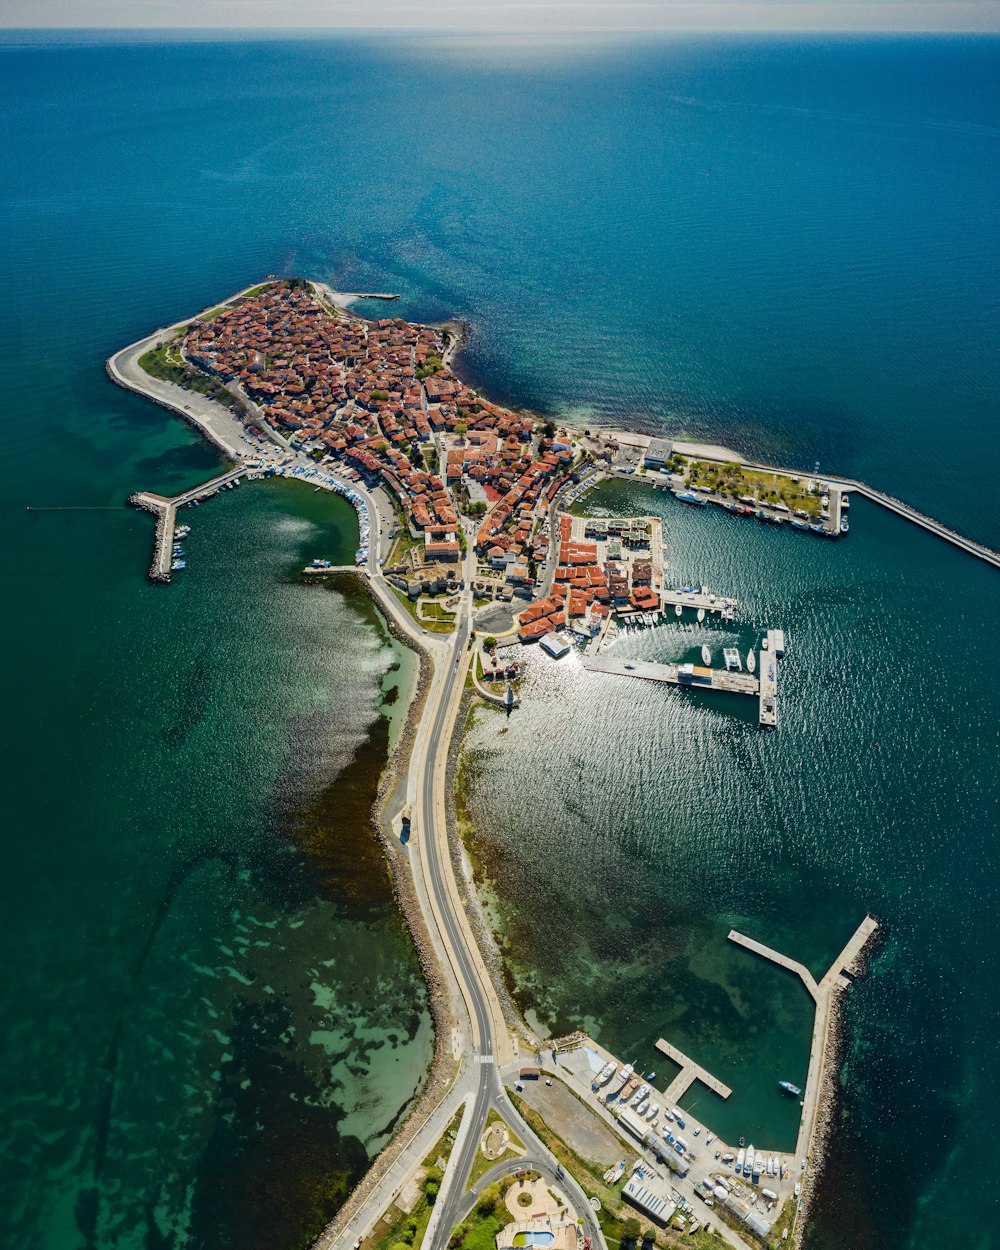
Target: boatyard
point(682, 1157)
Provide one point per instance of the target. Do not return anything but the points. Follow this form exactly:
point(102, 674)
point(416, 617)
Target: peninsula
point(468, 546)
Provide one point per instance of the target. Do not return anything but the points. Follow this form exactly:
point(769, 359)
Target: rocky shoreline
point(438, 1081)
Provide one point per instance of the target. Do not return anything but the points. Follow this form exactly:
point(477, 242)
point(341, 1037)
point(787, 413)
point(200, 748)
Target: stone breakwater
point(478, 922)
point(162, 520)
point(833, 1052)
point(439, 1078)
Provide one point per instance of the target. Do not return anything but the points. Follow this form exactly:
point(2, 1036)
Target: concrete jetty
point(783, 961)
point(697, 599)
point(689, 1073)
point(165, 511)
point(673, 674)
point(824, 993)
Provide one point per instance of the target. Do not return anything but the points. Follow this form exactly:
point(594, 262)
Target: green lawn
point(482, 1165)
point(433, 627)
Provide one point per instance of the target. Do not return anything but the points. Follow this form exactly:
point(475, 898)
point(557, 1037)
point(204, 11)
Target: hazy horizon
point(556, 17)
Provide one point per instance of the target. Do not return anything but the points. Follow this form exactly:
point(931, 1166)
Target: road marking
point(484, 1059)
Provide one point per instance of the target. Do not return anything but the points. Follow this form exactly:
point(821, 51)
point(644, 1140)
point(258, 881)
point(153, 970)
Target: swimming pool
point(537, 1237)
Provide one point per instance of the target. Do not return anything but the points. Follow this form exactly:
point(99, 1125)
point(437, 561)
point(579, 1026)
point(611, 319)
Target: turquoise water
point(786, 245)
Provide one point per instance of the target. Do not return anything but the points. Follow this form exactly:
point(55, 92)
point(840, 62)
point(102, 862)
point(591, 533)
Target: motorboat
point(789, 1088)
point(701, 615)
point(678, 609)
point(751, 1159)
point(739, 1161)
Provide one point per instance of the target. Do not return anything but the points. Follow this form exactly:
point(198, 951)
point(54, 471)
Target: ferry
point(690, 497)
point(789, 1088)
point(751, 660)
point(732, 658)
point(706, 655)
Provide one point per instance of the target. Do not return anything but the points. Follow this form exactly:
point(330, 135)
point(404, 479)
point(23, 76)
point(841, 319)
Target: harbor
point(760, 1189)
point(729, 680)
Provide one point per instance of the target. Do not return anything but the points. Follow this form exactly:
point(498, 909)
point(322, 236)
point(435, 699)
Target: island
point(471, 547)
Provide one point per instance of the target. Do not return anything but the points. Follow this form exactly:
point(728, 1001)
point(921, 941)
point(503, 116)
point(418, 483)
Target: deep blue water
point(788, 245)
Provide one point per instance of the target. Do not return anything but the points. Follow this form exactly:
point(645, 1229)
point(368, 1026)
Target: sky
point(508, 16)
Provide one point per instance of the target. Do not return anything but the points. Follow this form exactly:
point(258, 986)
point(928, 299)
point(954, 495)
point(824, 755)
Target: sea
point(212, 1013)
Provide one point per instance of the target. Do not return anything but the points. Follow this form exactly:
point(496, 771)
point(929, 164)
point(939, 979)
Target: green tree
point(631, 1231)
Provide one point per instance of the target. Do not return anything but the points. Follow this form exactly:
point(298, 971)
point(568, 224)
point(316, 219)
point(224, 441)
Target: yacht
point(751, 660)
point(678, 610)
point(739, 1161)
point(706, 655)
point(732, 659)
point(749, 1165)
point(701, 615)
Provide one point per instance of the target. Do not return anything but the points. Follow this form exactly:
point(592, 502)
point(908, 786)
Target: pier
point(696, 599)
point(718, 679)
point(689, 1073)
point(824, 994)
point(165, 511)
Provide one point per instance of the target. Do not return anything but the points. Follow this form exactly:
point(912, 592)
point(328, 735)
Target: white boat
point(701, 615)
point(732, 659)
point(606, 1073)
point(748, 1166)
point(678, 610)
point(751, 661)
point(706, 655)
point(739, 1161)
point(653, 1112)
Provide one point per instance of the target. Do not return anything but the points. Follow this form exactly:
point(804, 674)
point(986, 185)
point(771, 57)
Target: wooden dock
point(689, 1073)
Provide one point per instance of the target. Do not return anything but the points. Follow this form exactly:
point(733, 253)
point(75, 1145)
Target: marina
point(730, 680)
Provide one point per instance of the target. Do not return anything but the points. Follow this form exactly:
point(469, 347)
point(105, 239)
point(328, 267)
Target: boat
point(701, 615)
point(751, 660)
point(706, 655)
point(732, 659)
point(728, 1157)
point(690, 497)
point(817, 529)
point(678, 610)
point(844, 525)
point(758, 1164)
point(798, 525)
point(739, 1161)
point(606, 1073)
point(178, 564)
point(750, 1160)
point(729, 507)
point(845, 501)
point(789, 1088)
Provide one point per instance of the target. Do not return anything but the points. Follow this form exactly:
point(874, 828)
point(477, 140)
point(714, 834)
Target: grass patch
point(406, 1229)
point(735, 479)
point(482, 1165)
point(166, 364)
point(432, 627)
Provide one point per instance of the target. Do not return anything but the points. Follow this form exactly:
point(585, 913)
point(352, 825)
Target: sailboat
point(706, 655)
point(701, 615)
point(751, 660)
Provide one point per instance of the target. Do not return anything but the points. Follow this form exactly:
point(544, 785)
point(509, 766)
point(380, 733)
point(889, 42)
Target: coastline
point(225, 432)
